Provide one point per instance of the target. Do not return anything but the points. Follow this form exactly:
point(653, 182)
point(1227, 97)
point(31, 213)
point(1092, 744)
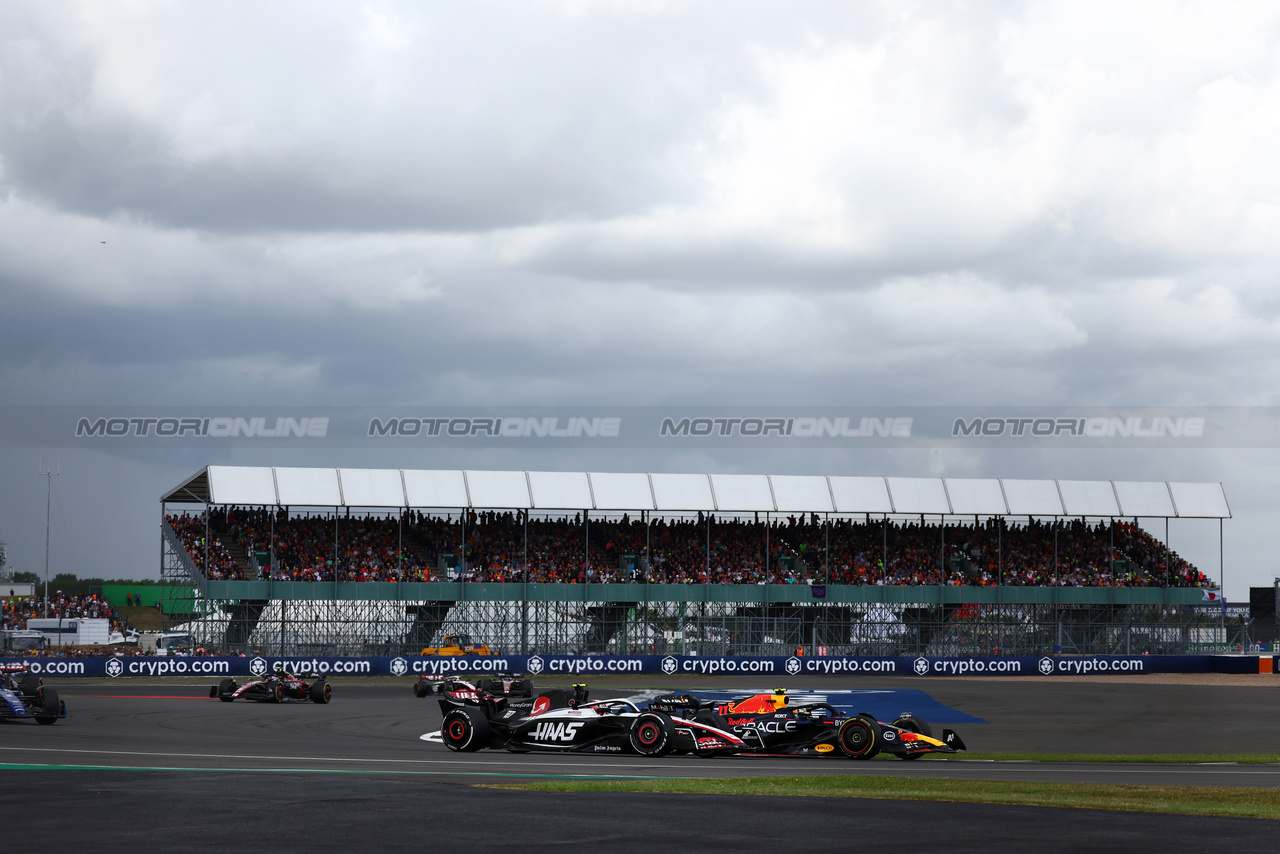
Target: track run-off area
point(167, 739)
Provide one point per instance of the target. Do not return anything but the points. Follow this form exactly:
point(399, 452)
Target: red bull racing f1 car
point(771, 725)
point(24, 697)
point(567, 721)
point(282, 687)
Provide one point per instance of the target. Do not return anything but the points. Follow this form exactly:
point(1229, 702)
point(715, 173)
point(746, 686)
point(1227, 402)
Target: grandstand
point(294, 560)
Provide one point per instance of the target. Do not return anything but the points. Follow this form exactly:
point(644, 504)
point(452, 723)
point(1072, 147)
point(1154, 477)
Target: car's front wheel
point(51, 707)
point(321, 692)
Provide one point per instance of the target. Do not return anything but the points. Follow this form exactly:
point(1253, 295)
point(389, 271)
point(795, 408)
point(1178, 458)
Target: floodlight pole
point(48, 475)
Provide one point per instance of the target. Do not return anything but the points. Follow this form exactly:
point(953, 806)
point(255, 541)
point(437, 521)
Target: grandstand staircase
point(238, 555)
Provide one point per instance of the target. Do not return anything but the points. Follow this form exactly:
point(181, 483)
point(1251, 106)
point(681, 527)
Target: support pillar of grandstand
point(427, 620)
point(604, 622)
point(243, 618)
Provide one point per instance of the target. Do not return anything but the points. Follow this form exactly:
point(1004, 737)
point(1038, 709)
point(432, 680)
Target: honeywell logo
point(1095, 427)
point(220, 427)
point(799, 427)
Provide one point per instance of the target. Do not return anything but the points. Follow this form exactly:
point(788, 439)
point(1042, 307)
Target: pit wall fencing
point(549, 669)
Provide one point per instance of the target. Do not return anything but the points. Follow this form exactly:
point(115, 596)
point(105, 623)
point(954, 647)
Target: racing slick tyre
point(226, 688)
point(528, 687)
point(422, 688)
point(465, 730)
point(30, 685)
point(859, 738)
point(277, 693)
point(652, 734)
point(911, 723)
point(52, 707)
point(321, 692)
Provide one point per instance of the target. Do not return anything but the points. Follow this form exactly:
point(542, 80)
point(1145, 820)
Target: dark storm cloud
point(547, 203)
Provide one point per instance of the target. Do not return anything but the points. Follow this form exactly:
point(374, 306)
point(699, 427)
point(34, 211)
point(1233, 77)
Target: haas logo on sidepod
point(556, 731)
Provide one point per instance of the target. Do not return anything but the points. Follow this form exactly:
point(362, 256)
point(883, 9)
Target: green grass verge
point(1164, 758)
point(1183, 800)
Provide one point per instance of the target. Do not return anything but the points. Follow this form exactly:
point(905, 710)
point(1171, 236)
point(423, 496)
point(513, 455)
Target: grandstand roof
point(720, 493)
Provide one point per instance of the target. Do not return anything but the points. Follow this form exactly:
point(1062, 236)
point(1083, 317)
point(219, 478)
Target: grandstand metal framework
point(351, 618)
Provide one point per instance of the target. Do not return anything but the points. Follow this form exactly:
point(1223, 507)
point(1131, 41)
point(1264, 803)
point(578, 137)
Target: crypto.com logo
point(1046, 666)
point(257, 667)
point(534, 664)
point(114, 667)
point(670, 665)
point(921, 666)
point(792, 666)
point(399, 667)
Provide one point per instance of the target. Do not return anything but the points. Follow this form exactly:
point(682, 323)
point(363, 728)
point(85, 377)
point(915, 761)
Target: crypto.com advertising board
point(550, 669)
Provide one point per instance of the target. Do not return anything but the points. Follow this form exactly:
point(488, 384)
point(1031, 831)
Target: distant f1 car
point(280, 687)
point(24, 696)
point(508, 684)
point(566, 721)
point(770, 725)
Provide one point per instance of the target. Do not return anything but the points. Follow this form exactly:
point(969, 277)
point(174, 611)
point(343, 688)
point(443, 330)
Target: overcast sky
point(635, 202)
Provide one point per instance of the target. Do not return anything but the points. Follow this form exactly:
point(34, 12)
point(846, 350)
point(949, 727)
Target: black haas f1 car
point(770, 725)
point(24, 696)
point(282, 687)
point(567, 721)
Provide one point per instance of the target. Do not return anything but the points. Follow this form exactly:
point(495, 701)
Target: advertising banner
point(551, 668)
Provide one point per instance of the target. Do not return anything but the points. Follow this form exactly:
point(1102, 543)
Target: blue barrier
point(551, 667)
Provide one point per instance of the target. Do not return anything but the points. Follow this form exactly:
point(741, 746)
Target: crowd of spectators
point(216, 561)
point(700, 549)
point(16, 611)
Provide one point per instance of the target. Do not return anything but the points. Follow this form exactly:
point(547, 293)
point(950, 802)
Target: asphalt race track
point(135, 759)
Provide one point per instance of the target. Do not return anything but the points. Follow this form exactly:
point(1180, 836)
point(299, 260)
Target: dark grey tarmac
point(357, 770)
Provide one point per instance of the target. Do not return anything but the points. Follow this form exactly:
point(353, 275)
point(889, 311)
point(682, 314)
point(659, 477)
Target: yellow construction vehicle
point(458, 645)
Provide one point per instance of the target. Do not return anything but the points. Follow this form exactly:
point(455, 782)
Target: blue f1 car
point(24, 696)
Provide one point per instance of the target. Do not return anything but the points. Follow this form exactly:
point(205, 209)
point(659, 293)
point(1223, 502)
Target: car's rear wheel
point(51, 707)
point(277, 693)
point(465, 730)
point(30, 685)
point(421, 688)
point(859, 738)
point(226, 688)
point(652, 734)
point(321, 692)
point(528, 687)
